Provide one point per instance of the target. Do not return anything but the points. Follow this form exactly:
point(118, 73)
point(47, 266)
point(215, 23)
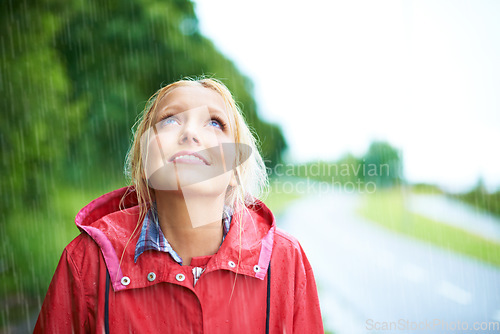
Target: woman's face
point(191, 146)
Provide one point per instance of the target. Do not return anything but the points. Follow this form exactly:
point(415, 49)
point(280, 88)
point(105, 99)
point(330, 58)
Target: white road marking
point(454, 293)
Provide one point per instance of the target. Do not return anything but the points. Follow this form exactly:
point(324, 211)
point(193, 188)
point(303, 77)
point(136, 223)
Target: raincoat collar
point(112, 221)
point(152, 237)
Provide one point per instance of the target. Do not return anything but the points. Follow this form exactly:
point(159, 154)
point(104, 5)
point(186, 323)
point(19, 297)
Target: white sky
point(423, 75)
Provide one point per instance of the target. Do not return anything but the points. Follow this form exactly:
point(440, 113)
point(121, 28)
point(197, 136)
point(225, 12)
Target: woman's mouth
point(186, 157)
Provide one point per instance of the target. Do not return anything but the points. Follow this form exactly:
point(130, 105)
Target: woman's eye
point(168, 120)
point(215, 123)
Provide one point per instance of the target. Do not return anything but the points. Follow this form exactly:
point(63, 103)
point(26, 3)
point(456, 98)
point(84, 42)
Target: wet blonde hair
point(250, 174)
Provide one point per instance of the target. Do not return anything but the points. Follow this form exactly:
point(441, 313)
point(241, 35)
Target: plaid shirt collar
point(152, 238)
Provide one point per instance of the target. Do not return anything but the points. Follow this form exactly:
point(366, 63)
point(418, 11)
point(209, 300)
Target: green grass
point(387, 208)
point(482, 200)
point(278, 198)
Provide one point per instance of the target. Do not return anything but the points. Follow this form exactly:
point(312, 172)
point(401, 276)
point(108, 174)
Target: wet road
point(372, 280)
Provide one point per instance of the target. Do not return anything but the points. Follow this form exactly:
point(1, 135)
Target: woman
point(188, 247)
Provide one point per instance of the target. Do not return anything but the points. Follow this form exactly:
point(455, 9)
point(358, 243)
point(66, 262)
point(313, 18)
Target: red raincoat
point(157, 295)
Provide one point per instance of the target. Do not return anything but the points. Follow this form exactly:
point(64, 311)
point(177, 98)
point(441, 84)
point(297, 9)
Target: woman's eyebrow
point(218, 112)
point(171, 109)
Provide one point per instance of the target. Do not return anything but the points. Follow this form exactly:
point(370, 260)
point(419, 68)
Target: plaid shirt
point(152, 238)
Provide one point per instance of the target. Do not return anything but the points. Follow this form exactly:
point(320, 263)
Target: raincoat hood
point(112, 221)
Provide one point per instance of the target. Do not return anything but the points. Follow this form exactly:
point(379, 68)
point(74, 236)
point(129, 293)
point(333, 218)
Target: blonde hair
point(251, 176)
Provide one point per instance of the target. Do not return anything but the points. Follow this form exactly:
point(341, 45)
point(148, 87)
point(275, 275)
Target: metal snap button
point(151, 276)
point(125, 280)
point(180, 277)
point(231, 264)
point(256, 268)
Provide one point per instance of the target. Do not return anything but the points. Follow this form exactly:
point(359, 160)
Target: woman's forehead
point(190, 97)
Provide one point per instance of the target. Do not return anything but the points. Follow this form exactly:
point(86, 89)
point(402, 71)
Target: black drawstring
point(106, 305)
point(268, 301)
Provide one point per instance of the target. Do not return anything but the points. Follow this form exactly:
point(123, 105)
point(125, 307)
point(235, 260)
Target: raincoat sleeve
point(64, 307)
point(307, 313)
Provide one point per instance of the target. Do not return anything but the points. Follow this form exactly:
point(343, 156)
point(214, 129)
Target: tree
point(38, 118)
point(382, 164)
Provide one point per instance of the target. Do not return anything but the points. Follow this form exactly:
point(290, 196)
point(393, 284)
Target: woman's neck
point(192, 224)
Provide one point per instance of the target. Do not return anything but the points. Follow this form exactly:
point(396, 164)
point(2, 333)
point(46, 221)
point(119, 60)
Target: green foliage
point(38, 119)
point(480, 198)
point(278, 198)
point(381, 164)
point(350, 169)
point(32, 243)
point(425, 188)
point(272, 142)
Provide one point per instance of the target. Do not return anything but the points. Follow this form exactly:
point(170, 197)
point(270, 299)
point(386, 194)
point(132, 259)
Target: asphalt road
point(372, 280)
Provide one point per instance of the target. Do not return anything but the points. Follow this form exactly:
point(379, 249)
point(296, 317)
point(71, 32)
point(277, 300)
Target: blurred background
point(379, 122)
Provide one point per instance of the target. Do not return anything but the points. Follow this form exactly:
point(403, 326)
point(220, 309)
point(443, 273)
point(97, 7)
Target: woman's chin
point(189, 181)
point(163, 179)
point(208, 188)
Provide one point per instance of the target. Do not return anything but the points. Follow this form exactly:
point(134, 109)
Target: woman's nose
point(189, 134)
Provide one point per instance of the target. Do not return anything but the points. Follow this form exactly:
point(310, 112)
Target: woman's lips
point(187, 157)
